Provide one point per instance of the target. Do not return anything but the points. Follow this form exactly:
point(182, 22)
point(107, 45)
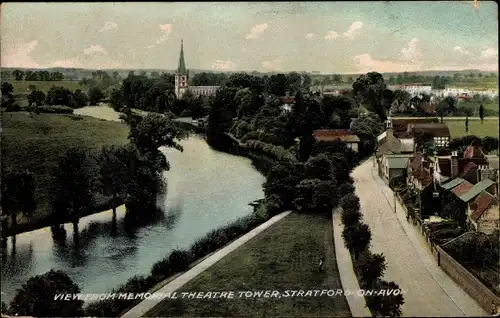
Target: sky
point(328, 37)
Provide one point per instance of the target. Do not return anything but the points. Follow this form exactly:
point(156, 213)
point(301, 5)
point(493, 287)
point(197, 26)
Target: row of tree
point(370, 267)
point(19, 75)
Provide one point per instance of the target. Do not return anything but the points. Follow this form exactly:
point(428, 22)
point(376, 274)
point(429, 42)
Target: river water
point(206, 189)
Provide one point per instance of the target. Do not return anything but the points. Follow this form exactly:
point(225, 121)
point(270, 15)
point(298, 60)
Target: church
point(182, 78)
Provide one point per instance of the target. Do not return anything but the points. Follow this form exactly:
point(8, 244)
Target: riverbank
point(284, 257)
point(35, 142)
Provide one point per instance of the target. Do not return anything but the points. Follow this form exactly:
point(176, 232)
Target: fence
point(469, 283)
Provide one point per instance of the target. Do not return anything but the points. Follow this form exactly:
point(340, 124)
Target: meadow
point(489, 127)
point(35, 142)
point(284, 257)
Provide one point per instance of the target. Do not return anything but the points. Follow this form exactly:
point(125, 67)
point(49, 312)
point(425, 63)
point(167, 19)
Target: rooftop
point(462, 188)
point(334, 134)
point(453, 183)
point(434, 129)
point(476, 190)
point(481, 204)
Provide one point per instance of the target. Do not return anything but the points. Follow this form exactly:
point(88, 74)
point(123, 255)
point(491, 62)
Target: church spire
point(182, 64)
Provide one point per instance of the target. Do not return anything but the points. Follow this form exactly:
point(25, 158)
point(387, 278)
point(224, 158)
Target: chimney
point(389, 131)
point(479, 173)
point(454, 164)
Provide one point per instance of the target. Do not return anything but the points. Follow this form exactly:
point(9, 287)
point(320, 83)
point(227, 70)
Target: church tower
point(181, 76)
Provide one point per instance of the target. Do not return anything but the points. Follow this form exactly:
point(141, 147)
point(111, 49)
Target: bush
point(357, 237)
point(382, 305)
point(345, 189)
point(56, 109)
point(273, 151)
point(350, 202)
point(371, 268)
point(13, 108)
point(351, 217)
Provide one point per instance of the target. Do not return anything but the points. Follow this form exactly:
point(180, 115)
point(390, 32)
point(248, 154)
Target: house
point(352, 141)
point(483, 213)
point(439, 132)
point(286, 103)
point(420, 178)
point(393, 166)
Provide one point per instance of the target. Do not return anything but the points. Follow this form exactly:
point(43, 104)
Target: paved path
point(430, 291)
point(348, 278)
point(147, 304)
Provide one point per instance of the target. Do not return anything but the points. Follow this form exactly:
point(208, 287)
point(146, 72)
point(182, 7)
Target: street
point(409, 262)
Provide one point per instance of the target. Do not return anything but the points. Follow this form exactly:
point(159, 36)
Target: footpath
point(147, 304)
point(348, 278)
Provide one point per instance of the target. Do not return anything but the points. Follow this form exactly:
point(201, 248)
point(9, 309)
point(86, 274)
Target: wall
point(394, 173)
point(470, 284)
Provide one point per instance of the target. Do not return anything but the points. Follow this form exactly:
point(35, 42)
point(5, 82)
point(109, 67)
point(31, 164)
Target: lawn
point(487, 128)
point(284, 257)
point(22, 87)
point(35, 143)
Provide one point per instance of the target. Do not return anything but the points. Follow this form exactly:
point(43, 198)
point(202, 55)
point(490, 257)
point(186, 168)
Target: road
point(430, 292)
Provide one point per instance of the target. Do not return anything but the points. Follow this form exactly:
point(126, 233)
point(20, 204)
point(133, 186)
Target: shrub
point(371, 268)
point(350, 202)
point(273, 151)
point(345, 189)
point(351, 217)
point(357, 237)
point(56, 109)
point(180, 260)
point(13, 108)
point(383, 305)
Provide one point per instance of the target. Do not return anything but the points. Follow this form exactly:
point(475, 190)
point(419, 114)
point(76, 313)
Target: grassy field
point(487, 128)
point(284, 257)
point(35, 143)
point(22, 87)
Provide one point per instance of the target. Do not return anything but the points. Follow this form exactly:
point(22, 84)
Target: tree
point(315, 196)
point(281, 181)
point(36, 97)
point(357, 238)
point(345, 189)
point(277, 84)
point(481, 113)
point(370, 89)
point(36, 297)
point(80, 98)
point(383, 305)
point(95, 95)
point(113, 175)
point(58, 95)
point(447, 106)
point(319, 167)
point(371, 268)
point(18, 75)
point(7, 95)
point(18, 194)
point(73, 181)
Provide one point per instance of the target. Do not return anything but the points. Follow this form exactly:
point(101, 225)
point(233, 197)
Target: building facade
point(182, 80)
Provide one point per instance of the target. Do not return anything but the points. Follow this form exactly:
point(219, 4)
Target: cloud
point(461, 50)
point(275, 65)
point(310, 36)
point(489, 53)
point(68, 63)
point(411, 52)
point(257, 31)
point(20, 56)
point(355, 26)
point(366, 63)
point(94, 49)
point(109, 26)
point(166, 29)
point(224, 65)
point(331, 35)
point(150, 46)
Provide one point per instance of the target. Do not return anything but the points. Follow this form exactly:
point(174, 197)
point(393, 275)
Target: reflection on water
point(206, 189)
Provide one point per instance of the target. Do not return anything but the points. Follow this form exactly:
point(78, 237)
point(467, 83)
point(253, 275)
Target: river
point(206, 189)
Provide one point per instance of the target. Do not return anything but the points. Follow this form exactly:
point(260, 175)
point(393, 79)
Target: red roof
point(423, 175)
point(473, 152)
point(287, 100)
point(334, 134)
point(462, 188)
point(481, 204)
